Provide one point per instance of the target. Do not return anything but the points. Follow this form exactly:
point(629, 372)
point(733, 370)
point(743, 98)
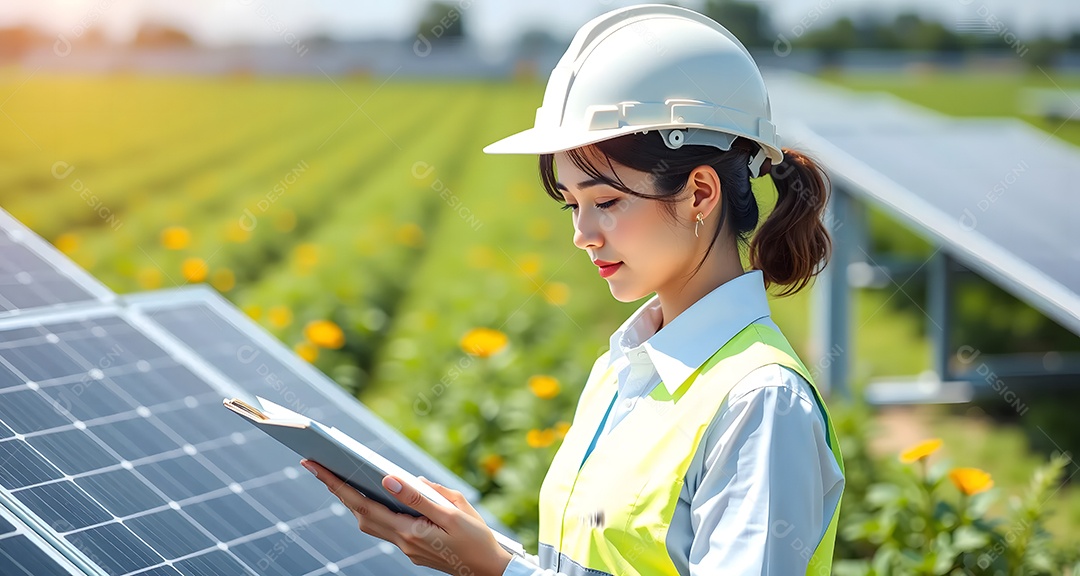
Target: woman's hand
point(452, 540)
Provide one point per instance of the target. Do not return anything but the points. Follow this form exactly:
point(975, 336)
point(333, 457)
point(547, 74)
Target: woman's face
point(654, 252)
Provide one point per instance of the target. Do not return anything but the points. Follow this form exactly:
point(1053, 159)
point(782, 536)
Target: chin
point(627, 295)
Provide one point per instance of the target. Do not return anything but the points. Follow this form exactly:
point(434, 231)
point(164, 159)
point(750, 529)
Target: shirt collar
point(688, 340)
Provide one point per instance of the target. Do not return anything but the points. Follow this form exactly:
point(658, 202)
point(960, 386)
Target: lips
point(604, 263)
point(609, 269)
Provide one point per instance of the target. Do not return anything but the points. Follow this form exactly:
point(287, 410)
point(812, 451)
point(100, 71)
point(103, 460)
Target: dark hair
point(791, 245)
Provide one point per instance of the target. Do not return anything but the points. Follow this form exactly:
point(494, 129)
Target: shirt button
point(629, 403)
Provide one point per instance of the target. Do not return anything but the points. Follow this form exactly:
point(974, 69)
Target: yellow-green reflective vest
point(610, 514)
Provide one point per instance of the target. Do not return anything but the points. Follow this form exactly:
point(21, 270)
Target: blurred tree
point(838, 37)
point(1072, 43)
point(536, 40)
point(161, 35)
point(442, 20)
point(744, 19)
point(16, 40)
point(1044, 51)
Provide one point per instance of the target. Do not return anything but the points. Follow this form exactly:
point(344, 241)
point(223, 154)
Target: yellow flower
point(224, 280)
point(491, 464)
point(194, 269)
point(175, 238)
point(67, 242)
point(545, 387)
point(324, 333)
point(561, 427)
point(483, 342)
point(540, 438)
point(279, 316)
point(410, 235)
point(307, 255)
point(306, 350)
point(530, 264)
point(556, 293)
point(971, 480)
point(920, 450)
point(149, 278)
point(254, 311)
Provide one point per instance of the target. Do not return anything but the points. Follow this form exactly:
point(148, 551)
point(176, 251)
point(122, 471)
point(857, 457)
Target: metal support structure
point(830, 348)
point(939, 294)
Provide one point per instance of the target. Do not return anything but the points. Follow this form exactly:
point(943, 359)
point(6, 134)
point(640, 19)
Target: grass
point(970, 94)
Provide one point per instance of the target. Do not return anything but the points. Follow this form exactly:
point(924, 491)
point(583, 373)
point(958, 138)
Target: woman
point(699, 444)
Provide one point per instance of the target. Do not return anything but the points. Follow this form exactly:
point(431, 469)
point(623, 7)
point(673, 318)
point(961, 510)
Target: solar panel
point(117, 455)
point(33, 275)
point(130, 458)
point(995, 193)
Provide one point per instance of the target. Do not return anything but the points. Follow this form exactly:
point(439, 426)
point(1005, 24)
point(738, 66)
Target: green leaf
point(969, 538)
point(882, 494)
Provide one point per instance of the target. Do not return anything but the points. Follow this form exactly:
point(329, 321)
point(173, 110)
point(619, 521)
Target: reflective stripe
point(550, 560)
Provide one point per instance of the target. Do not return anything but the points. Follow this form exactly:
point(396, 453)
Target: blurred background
point(320, 165)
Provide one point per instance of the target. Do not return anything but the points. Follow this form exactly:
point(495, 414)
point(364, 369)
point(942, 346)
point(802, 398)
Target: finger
point(354, 500)
point(372, 517)
point(454, 496)
point(412, 498)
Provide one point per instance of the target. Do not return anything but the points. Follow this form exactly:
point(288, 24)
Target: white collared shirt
point(763, 484)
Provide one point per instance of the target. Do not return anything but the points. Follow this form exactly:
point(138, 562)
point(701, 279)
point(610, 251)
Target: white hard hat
point(652, 67)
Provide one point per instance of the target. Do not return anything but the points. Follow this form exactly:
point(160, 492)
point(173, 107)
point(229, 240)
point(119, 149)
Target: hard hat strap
point(757, 161)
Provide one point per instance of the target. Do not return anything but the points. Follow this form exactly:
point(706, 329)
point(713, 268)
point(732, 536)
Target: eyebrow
point(583, 184)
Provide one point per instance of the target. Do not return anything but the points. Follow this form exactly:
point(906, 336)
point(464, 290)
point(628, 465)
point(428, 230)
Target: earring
point(700, 220)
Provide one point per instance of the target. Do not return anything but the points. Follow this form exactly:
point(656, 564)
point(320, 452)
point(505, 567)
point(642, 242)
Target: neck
point(720, 267)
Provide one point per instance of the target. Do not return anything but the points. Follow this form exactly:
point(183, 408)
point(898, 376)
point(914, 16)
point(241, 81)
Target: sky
point(490, 22)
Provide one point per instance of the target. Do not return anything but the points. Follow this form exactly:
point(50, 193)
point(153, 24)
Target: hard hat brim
point(543, 141)
point(549, 141)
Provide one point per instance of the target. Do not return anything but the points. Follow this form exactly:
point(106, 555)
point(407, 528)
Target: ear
point(705, 187)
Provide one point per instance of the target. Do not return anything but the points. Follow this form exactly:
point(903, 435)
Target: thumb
point(455, 497)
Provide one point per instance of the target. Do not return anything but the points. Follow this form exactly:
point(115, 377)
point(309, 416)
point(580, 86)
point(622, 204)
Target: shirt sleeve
point(759, 507)
point(528, 565)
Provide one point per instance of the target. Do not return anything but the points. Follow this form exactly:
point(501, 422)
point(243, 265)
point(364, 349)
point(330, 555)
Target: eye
point(602, 205)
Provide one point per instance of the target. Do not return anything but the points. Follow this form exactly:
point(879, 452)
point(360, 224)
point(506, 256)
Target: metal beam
point(831, 311)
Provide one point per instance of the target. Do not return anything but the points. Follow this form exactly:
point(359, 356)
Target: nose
point(587, 231)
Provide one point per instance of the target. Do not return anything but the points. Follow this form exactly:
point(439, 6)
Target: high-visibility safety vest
point(609, 513)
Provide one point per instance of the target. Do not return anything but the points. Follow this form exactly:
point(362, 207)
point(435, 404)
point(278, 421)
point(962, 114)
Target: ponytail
point(793, 245)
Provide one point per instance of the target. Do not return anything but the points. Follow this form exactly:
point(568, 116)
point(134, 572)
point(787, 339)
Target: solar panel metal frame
point(61, 263)
point(76, 564)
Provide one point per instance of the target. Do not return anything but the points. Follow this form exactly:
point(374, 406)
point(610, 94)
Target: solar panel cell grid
point(28, 281)
point(133, 463)
point(21, 557)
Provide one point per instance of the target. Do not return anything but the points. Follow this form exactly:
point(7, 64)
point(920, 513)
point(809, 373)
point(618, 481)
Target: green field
point(370, 206)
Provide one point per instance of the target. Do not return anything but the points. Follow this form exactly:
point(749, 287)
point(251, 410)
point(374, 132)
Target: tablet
point(358, 465)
